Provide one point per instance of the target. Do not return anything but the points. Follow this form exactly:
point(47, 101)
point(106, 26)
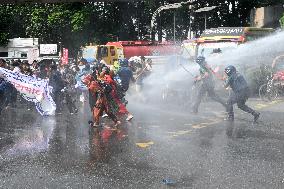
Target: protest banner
point(31, 89)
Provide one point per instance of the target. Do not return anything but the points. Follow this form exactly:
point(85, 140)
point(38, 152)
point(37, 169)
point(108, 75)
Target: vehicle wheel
point(266, 94)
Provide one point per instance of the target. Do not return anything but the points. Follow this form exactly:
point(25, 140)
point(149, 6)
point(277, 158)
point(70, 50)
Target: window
point(23, 55)
point(3, 54)
point(112, 51)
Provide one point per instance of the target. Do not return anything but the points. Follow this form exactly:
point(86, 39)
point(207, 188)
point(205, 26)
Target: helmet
point(84, 61)
point(87, 66)
point(200, 60)
point(229, 70)
point(123, 62)
point(53, 67)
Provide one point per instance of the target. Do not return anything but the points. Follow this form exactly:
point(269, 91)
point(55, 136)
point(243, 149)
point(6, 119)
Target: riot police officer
point(206, 86)
point(240, 93)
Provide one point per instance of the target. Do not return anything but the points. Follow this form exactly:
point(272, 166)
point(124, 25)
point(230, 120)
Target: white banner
point(32, 55)
point(32, 89)
point(47, 49)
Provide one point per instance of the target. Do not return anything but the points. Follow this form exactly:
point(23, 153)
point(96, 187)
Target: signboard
point(223, 32)
point(46, 49)
point(64, 58)
point(32, 55)
point(22, 42)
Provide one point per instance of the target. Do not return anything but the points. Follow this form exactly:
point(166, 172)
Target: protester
point(16, 67)
point(69, 90)
point(107, 76)
point(26, 68)
point(84, 70)
point(101, 91)
point(57, 84)
point(125, 74)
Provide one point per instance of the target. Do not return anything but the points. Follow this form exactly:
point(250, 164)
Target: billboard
point(48, 49)
point(223, 32)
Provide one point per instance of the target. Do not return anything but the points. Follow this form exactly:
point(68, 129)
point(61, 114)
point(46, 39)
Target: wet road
point(194, 151)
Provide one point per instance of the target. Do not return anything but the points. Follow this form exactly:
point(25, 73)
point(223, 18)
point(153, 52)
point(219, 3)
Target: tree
point(75, 24)
point(282, 21)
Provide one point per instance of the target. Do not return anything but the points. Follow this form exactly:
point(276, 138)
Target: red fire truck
point(113, 51)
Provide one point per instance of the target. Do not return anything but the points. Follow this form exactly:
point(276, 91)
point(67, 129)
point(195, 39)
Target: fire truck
point(113, 51)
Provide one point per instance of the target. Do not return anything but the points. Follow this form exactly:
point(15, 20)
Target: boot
point(256, 116)
point(229, 118)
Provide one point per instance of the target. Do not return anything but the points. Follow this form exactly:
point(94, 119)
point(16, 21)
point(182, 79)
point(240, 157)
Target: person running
point(240, 93)
point(207, 85)
point(100, 90)
point(108, 78)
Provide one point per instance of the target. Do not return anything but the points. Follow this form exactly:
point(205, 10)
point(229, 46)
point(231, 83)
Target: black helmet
point(200, 60)
point(53, 67)
point(123, 62)
point(229, 70)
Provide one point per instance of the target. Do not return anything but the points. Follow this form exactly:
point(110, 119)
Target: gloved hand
point(63, 90)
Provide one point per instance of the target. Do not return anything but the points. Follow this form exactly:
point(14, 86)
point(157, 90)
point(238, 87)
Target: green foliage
point(282, 21)
point(75, 24)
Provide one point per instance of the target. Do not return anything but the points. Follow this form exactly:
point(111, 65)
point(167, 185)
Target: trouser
point(11, 94)
point(240, 99)
point(211, 93)
point(70, 103)
point(2, 101)
point(100, 107)
point(92, 100)
point(57, 96)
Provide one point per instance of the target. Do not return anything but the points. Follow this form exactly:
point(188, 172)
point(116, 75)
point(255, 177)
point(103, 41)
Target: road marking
point(261, 106)
point(145, 145)
point(219, 119)
point(187, 124)
point(198, 126)
point(179, 133)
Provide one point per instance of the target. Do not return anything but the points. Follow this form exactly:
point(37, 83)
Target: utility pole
point(205, 9)
point(174, 27)
point(166, 7)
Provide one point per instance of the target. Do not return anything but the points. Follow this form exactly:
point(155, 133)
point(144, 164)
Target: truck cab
point(107, 53)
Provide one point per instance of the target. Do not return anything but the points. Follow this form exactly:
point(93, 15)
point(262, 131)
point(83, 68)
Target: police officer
point(240, 93)
point(206, 86)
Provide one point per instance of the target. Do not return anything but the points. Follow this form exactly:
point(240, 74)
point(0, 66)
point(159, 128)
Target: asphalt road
point(191, 151)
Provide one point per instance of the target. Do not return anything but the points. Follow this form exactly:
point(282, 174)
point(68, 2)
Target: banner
point(48, 49)
point(64, 58)
point(31, 89)
point(32, 55)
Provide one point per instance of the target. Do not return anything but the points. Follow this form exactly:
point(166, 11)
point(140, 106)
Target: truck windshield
point(209, 49)
point(102, 52)
point(89, 53)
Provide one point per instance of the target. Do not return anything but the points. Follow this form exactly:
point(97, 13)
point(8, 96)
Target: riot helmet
point(229, 70)
point(123, 62)
point(200, 60)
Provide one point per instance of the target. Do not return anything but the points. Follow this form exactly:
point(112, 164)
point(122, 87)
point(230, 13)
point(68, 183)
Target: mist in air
point(176, 75)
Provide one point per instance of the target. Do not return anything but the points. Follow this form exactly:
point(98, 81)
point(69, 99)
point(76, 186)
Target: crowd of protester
point(102, 85)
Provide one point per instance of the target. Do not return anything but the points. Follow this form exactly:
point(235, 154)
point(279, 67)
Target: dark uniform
point(57, 83)
point(207, 85)
point(240, 93)
point(69, 91)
